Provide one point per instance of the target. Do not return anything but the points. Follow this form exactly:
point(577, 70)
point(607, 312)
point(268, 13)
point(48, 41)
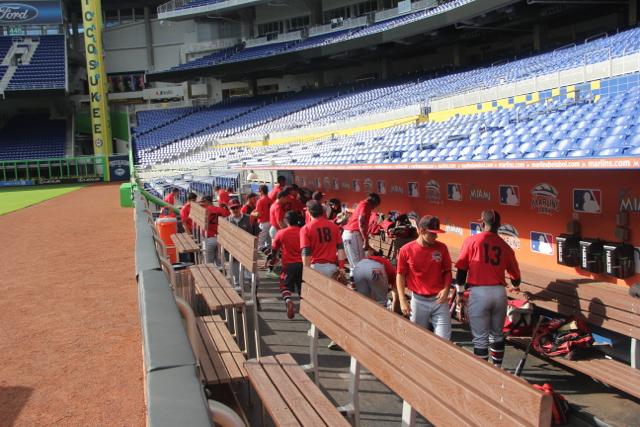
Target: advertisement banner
point(96, 78)
point(119, 168)
point(17, 13)
point(17, 183)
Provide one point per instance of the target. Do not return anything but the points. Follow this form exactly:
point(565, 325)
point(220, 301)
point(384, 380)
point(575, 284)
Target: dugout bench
point(443, 382)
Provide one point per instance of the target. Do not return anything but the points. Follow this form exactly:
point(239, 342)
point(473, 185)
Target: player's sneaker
point(291, 312)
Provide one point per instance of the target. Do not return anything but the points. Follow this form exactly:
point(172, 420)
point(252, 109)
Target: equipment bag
point(517, 322)
point(561, 337)
point(560, 408)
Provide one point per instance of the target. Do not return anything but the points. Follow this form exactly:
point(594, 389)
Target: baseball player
point(424, 266)
point(210, 244)
point(171, 197)
point(261, 212)
point(223, 196)
point(277, 211)
point(186, 210)
point(321, 243)
point(273, 194)
point(356, 230)
point(287, 243)
point(482, 264)
point(322, 247)
point(317, 196)
point(374, 276)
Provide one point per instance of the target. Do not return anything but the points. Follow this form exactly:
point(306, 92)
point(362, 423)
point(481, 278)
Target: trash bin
point(125, 195)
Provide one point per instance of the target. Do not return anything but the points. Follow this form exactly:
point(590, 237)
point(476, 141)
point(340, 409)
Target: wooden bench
point(600, 304)
point(243, 248)
point(218, 294)
point(185, 244)
point(220, 359)
point(200, 219)
point(289, 396)
point(441, 381)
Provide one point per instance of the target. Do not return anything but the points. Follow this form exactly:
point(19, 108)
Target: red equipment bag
point(561, 337)
point(560, 408)
point(517, 322)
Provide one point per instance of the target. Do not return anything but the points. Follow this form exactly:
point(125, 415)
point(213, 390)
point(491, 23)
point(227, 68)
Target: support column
point(74, 33)
point(148, 35)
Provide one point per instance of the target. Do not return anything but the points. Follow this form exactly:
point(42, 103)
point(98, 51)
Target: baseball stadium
point(246, 213)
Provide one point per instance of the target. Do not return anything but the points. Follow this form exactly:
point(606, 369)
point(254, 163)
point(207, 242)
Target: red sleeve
point(446, 267)
point(305, 242)
point(244, 209)
point(224, 212)
point(277, 241)
point(463, 259)
point(403, 267)
point(512, 266)
point(338, 235)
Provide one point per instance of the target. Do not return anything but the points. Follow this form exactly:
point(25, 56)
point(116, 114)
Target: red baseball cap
point(430, 223)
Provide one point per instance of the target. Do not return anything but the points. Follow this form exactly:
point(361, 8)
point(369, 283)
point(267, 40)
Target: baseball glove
point(339, 276)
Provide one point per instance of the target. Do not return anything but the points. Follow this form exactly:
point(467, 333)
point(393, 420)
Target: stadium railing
point(47, 171)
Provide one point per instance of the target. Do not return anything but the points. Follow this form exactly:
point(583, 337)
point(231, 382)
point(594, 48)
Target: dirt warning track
point(70, 345)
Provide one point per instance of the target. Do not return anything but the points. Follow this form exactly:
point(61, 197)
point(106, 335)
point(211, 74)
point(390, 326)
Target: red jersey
point(321, 239)
point(288, 239)
point(364, 210)
point(262, 207)
point(276, 214)
point(223, 197)
point(486, 256)
point(214, 213)
point(295, 205)
point(388, 268)
point(184, 215)
point(273, 194)
point(427, 268)
point(170, 198)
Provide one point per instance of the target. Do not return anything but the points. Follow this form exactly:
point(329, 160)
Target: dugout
point(536, 207)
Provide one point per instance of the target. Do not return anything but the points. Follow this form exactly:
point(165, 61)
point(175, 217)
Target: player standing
point(321, 243)
point(374, 276)
point(211, 242)
point(171, 197)
point(185, 211)
point(356, 231)
point(424, 266)
point(287, 242)
point(482, 264)
point(261, 212)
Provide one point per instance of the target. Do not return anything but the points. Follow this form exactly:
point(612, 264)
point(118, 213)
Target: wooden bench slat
point(226, 346)
point(210, 297)
point(215, 288)
point(295, 396)
point(312, 393)
point(480, 392)
point(184, 243)
point(608, 371)
point(274, 403)
point(226, 286)
point(220, 374)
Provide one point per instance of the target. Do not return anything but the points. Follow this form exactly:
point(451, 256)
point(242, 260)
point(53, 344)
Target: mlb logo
point(454, 192)
point(509, 195)
point(587, 200)
point(475, 228)
point(542, 243)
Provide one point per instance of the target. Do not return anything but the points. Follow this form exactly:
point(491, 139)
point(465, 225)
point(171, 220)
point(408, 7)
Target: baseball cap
point(430, 223)
point(490, 217)
point(234, 203)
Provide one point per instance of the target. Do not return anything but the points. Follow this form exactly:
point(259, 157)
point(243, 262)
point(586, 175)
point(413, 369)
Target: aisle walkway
point(70, 346)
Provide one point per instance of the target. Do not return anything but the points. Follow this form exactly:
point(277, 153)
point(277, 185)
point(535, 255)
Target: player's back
point(488, 257)
point(322, 237)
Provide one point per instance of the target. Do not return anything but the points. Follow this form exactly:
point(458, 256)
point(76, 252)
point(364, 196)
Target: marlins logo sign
point(433, 192)
point(510, 235)
point(544, 199)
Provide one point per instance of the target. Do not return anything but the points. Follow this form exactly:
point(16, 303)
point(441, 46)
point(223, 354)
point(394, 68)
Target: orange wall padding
point(541, 212)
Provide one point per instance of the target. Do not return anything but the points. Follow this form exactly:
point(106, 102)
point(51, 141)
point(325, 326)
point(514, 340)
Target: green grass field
point(12, 199)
